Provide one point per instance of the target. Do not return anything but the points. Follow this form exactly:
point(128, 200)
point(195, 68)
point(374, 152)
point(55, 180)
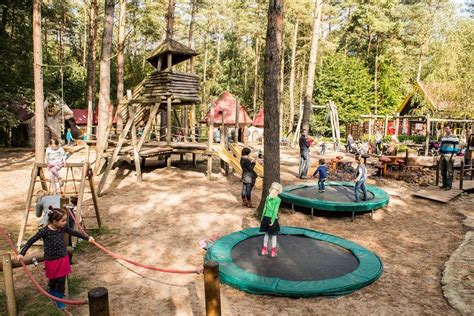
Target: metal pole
point(98, 302)
point(212, 288)
point(9, 286)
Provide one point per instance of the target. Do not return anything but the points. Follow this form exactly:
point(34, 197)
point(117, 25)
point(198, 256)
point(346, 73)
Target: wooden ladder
point(86, 179)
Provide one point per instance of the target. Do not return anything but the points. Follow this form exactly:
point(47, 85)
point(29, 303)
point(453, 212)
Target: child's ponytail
point(55, 214)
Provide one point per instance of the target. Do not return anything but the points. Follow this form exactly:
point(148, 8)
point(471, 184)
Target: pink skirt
point(57, 268)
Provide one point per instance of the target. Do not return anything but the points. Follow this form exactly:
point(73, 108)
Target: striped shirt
point(449, 145)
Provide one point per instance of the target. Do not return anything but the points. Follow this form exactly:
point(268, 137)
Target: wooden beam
point(147, 129)
point(210, 140)
point(80, 197)
point(114, 156)
point(236, 131)
point(136, 156)
point(428, 132)
point(168, 118)
point(9, 285)
point(94, 196)
point(29, 197)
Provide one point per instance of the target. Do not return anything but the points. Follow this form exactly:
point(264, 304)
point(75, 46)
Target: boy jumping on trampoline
point(269, 223)
point(360, 180)
point(56, 263)
point(323, 174)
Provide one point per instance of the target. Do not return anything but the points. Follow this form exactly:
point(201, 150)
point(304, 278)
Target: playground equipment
point(338, 197)
point(161, 93)
point(333, 117)
point(309, 263)
point(70, 188)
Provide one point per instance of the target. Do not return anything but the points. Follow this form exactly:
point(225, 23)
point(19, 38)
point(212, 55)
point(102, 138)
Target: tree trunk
point(191, 29)
point(308, 99)
point(376, 75)
point(255, 85)
point(104, 73)
point(271, 79)
point(121, 60)
point(38, 78)
point(170, 19)
point(292, 79)
point(91, 54)
point(282, 80)
point(420, 63)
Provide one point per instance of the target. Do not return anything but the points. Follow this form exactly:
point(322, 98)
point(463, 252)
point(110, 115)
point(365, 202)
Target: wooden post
point(63, 202)
point(385, 126)
point(94, 196)
point(168, 120)
point(210, 141)
point(147, 128)
point(428, 132)
point(9, 286)
point(222, 140)
point(397, 126)
point(371, 122)
point(236, 132)
point(437, 172)
point(212, 288)
point(461, 178)
point(90, 110)
point(193, 122)
point(98, 302)
point(136, 155)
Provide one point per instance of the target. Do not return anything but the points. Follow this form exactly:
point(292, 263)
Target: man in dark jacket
point(304, 143)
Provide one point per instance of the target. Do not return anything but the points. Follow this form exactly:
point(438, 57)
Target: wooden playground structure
point(73, 186)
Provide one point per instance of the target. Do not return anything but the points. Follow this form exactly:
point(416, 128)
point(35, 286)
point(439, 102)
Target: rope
point(119, 257)
point(32, 278)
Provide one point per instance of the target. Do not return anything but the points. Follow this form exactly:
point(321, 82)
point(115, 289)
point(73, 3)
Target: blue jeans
point(304, 163)
point(247, 190)
point(321, 184)
point(360, 185)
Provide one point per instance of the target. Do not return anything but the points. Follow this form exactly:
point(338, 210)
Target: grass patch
point(3, 305)
point(29, 305)
point(76, 285)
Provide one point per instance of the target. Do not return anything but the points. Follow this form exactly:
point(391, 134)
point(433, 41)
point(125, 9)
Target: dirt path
point(161, 220)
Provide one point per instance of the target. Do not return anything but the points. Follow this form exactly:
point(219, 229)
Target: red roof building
point(258, 121)
point(226, 105)
point(80, 116)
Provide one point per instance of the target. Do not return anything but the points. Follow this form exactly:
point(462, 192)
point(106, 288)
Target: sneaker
point(447, 188)
point(274, 252)
point(322, 190)
point(264, 251)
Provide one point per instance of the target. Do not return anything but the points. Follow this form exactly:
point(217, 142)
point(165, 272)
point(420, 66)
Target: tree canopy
point(370, 54)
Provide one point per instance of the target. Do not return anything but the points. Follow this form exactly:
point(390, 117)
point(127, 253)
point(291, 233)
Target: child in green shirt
point(269, 223)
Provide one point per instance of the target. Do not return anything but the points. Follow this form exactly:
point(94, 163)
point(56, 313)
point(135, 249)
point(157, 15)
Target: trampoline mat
point(299, 259)
point(337, 193)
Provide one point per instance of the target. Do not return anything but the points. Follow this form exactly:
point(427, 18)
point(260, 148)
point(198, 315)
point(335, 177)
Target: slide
point(237, 150)
point(234, 162)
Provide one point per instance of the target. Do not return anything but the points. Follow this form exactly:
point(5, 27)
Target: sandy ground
point(161, 220)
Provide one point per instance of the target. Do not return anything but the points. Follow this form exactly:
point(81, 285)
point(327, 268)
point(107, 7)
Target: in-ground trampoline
point(338, 197)
point(309, 263)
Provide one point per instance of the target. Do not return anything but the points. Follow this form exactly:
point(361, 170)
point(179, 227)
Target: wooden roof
point(180, 53)
point(436, 96)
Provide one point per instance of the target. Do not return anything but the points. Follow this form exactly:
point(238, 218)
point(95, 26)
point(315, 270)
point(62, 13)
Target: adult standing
point(305, 144)
point(448, 148)
point(249, 176)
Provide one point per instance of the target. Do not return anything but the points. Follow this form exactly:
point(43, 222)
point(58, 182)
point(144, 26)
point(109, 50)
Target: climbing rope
point(119, 257)
point(32, 278)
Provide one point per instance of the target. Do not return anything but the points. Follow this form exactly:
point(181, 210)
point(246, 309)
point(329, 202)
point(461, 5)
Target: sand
point(161, 220)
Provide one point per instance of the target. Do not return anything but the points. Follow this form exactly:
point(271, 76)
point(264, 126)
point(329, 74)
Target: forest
point(368, 53)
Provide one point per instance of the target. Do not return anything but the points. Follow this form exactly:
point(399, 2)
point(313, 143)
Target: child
point(269, 223)
point(323, 174)
point(248, 177)
point(360, 180)
point(56, 159)
point(69, 138)
point(323, 148)
point(56, 262)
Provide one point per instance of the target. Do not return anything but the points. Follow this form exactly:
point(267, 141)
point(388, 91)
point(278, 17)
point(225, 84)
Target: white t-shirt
point(54, 156)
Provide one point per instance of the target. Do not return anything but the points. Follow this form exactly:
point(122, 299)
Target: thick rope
point(119, 257)
point(32, 278)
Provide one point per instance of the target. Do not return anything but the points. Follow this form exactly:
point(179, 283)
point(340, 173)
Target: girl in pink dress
point(56, 257)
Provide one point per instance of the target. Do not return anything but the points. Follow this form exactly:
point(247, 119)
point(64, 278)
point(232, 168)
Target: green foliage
point(346, 81)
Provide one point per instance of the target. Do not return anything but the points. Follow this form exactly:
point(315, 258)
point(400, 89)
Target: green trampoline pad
point(338, 196)
point(309, 263)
